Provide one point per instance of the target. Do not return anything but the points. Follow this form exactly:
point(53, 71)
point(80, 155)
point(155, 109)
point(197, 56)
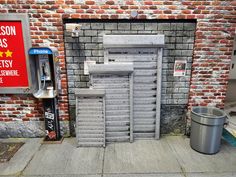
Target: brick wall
point(215, 30)
point(179, 38)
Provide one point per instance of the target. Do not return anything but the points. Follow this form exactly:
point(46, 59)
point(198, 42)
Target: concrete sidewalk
point(171, 156)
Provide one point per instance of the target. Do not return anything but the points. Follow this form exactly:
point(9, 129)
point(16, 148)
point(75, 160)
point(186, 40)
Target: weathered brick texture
point(179, 39)
point(215, 30)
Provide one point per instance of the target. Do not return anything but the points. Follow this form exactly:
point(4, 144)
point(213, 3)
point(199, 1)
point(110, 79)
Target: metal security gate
point(118, 96)
point(147, 62)
point(90, 117)
point(145, 86)
point(129, 83)
point(117, 105)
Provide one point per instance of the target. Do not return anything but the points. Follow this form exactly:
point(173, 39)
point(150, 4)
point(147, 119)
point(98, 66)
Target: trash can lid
point(208, 115)
point(209, 112)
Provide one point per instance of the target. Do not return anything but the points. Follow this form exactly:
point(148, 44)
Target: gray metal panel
point(118, 115)
point(158, 98)
point(104, 121)
point(90, 118)
point(131, 83)
point(89, 92)
point(146, 79)
point(23, 18)
point(111, 41)
point(115, 68)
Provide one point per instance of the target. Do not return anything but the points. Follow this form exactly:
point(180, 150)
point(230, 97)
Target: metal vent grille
point(90, 124)
point(117, 105)
point(145, 86)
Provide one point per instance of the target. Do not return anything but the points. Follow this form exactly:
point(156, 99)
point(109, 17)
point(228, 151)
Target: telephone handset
point(45, 73)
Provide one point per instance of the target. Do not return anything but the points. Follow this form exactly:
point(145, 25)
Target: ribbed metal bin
point(206, 129)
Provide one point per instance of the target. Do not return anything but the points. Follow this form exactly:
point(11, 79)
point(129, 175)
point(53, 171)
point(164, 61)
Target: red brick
point(163, 16)
point(134, 7)
point(181, 16)
point(157, 3)
point(124, 7)
point(148, 2)
point(84, 7)
point(100, 11)
point(206, 3)
point(186, 11)
point(171, 17)
point(89, 2)
point(201, 7)
point(89, 11)
point(104, 16)
point(152, 7)
point(114, 7)
point(11, 1)
point(105, 7)
point(120, 11)
point(200, 16)
point(110, 2)
point(3, 11)
point(167, 11)
point(142, 16)
point(84, 16)
point(114, 16)
point(191, 17)
point(64, 16)
point(80, 10)
point(167, 3)
point(94, 7)
point(75, 16)
point(191, 7)
point(75, 7)
point(7, 119)
point(187, 3)
point(157, 12)
point(196, 2)
point(233, 3)
point(205, 11)
point(60, 11)
point(41, 11)
point(35, 6)
point(172, 7)
point(144, 7)
point(21, 11)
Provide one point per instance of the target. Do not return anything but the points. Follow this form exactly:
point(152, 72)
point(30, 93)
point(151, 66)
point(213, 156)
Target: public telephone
point(44, 66)
point(47, 77)
point(46, 72)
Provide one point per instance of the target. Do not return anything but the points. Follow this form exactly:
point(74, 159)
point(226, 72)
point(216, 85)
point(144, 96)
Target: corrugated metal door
point(117, 105)
point(145, 86)
point(90, 121)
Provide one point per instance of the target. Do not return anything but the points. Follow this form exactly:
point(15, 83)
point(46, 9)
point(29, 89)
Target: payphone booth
point(47, 74)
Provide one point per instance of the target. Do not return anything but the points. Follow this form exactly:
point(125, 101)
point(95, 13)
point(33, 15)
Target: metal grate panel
point(145, 86)
point(90, 123)
point(117, 105)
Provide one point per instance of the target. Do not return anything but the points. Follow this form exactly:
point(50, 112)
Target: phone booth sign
point(15, 40)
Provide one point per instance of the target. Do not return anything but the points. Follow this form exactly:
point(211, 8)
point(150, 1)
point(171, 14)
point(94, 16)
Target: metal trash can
point(206, 129)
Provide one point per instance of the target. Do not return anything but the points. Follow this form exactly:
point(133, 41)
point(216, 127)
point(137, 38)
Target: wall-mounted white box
point(86, 64)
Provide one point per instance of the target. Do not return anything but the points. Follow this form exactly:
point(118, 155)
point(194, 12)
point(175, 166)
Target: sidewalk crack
point(103, 161)
point(39, 148)
point(183, 171)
